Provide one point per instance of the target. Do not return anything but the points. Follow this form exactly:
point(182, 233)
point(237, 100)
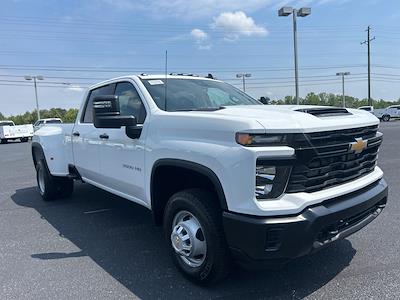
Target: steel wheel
point(188, 239)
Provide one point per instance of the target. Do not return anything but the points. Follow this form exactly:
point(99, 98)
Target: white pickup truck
point(227, 177)
point(9, 131)
point(385, 114)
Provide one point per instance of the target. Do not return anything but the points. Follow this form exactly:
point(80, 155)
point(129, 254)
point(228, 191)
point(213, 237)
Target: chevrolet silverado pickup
point(228, 178)
point(10, 132)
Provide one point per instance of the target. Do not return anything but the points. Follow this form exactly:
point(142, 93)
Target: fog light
point(265, 176)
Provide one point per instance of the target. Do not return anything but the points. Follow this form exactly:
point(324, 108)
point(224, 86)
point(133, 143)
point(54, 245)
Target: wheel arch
point(37, 153)
point(190, 170)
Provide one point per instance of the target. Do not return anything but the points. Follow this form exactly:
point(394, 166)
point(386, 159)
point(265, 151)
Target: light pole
point(343, 97)
point(302, 12)
point(243, 76)
point(35, 78)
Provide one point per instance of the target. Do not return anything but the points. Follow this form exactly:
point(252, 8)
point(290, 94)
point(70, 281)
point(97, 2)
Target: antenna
point(166, 80)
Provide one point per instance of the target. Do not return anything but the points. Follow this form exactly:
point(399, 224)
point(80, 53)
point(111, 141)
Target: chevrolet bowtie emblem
point(358, 146)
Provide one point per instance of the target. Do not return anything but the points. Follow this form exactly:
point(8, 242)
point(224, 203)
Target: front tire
point(193, 229)
point(3, 141)
point(386, 118)
point(24, 140)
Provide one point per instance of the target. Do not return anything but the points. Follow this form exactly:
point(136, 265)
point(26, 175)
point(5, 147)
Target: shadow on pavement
point(121, 238)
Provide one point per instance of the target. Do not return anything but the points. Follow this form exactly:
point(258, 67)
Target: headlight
point(271, 180)
point(250, 139)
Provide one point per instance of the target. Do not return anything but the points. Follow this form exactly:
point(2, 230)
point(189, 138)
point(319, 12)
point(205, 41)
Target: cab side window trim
point(107, 89)
point(126, 88)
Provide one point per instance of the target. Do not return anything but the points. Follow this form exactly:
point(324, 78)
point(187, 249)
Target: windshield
point(6, 123)
point(365, 108)
point(195, 94)
point(53, 121)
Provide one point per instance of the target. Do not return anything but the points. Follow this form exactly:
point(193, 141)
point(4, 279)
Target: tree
point(288, 100)
point(70, 115)
point(67, 116)
point(311, 99)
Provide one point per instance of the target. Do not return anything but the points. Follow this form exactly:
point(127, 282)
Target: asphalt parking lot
point(99, 246)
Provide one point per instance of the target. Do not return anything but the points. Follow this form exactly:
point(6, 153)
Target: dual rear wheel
point(52, 187)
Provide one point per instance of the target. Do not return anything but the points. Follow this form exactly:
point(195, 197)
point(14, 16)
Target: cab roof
point(155, 76)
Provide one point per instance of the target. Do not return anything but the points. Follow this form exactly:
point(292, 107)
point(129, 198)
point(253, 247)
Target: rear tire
point(3, 141)
point(24, 140)
point(193, 219)
point(46, 183)
point(52, 187)
point(386, 118)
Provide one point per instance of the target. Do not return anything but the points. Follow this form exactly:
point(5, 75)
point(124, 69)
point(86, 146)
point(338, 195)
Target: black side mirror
point(106, 113)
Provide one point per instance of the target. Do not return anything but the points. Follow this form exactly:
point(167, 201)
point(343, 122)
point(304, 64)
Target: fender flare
point(201, 169)
point(37, 146)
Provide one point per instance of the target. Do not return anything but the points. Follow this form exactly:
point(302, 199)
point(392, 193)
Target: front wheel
point(194, 232)
point(386, 118)
point(3, 141)
point(24, 140)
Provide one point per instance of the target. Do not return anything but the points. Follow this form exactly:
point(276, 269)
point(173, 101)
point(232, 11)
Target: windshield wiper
point(201, 109)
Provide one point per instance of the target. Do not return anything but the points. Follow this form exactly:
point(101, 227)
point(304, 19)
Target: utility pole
point(368, 43)
point(302, 12)
point(243, 76)
point(35, 78)
point(343, 96)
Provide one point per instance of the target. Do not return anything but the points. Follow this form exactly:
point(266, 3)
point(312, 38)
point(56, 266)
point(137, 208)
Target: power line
point(79, 22)
point(133, 69)
point(265, 85)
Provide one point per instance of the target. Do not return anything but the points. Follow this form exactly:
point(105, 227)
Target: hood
point(300, 118)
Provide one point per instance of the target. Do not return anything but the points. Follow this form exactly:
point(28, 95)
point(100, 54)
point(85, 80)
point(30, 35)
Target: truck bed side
point(55, 142)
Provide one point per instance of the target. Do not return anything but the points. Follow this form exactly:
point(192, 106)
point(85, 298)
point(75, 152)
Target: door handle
point(76, 133)
point(104, 136)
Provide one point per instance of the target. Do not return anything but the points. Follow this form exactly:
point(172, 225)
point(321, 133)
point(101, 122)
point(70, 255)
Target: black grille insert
point(325, 159)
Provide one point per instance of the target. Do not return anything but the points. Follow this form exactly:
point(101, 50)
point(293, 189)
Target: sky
point(76, 43)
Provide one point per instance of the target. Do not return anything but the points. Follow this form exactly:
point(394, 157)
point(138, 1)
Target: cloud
point(233, 25)
point(199, 35)
point(201, 38)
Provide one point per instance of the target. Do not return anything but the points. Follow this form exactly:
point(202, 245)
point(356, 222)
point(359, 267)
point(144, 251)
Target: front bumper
point(259, 241)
